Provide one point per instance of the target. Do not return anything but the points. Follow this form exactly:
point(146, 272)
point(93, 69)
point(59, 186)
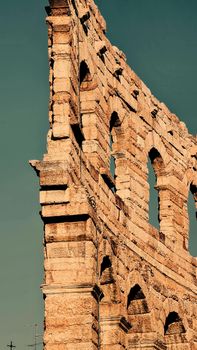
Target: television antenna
point(36, 336)
point(11, 346)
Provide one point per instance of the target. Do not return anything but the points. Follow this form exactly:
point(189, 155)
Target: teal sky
point(159, 39)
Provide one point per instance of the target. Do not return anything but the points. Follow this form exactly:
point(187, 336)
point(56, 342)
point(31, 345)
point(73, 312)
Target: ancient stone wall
point(112, 281)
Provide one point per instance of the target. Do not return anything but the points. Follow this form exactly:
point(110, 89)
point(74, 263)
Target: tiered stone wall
point(112, 281)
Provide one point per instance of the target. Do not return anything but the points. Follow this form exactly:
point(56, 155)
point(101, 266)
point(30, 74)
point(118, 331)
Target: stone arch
point(114, 126)
point(156, 161)
point(162, 165)
point(107, 272)
point(193, 189)
point(190, 184)
point(84, 73)
point(173, 307)
point(192, 215)
point(173, 324)
point(117, 126)
point(87, 64)
point(174, 330)
point(156, 168)
point(114, 138)
point(138, 311)
point(134, 278)
point(139, 305)
point(153, 140)
point(114, 121)
point(87, 79)
point(190, 177)
point(87, 82)
point(115, 104)
point(136, 301)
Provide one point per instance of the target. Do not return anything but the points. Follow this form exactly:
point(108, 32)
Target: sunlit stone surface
point(112, 281)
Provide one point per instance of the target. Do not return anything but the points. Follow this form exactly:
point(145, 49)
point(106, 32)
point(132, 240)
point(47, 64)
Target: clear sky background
point(159, 39)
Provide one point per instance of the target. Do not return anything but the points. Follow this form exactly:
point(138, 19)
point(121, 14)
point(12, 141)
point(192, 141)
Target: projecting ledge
point(119, 321)
point(138, 344)
point(62, 212)
point(75, 288)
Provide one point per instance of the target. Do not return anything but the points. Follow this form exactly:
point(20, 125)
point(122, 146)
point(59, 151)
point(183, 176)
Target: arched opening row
point(155, 165)
point(139, 314)
point(138, 310)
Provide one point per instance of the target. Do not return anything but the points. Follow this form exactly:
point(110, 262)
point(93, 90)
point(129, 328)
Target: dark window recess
point(153, 197)
point(193, 190)
point(156, 161)
point(106, 263)
point(135, 94)
point(112, 159)
point(106, 273)
point(97, 293)
point(136, 302)
point(68, 218)
point(84, 73)
point(101, 53)
point(114, 121)
point(85, 28)
point(114, 128)
point(85, 17)
point(54, 187)
point(75, 7)
point(192, 217)
point(155, 168)
point(107, 177)
point(135, 294)
point(51, 63)
point(79, 137)
point(118, 73)
point(154, 113)
point(173, 324)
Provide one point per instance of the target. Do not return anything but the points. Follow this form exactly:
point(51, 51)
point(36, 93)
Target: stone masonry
point(112, 281)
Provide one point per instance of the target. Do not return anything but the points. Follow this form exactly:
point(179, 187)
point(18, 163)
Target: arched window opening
point(112, 159)
point(136, 301)
point(114, 129)
point(118, 73)
point(156, 161)
point(114, 121)
point(106, 263)
point(101, 52)
point(85, 81)
point(173, 324)
point(84, 21)
point(153, 197)
point(192, 216)
point(78, 134)
point(155, 168)
point(106, 271)
point(84, 75)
